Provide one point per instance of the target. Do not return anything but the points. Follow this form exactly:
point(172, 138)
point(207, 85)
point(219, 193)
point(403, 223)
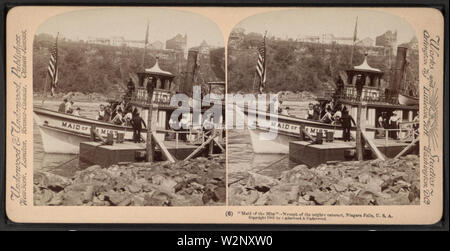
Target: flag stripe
point(53, 66)
point(261, 65)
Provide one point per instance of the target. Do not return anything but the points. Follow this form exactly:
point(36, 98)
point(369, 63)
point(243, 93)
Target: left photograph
point(128, 109)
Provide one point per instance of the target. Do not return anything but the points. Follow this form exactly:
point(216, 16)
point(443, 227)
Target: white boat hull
point(63, 133)
point(279, 145)
point(54, 141)
point(287, 129)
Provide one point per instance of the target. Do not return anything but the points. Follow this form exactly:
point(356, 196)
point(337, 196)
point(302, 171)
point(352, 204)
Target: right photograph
point(323, 108)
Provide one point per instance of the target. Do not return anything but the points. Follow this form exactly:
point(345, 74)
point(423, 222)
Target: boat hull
point(287, 129)
point(407, 100)
point(63, 133)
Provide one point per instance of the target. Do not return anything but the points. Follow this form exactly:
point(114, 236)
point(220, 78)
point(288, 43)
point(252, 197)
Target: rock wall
point(374, 182)
point(197, 182)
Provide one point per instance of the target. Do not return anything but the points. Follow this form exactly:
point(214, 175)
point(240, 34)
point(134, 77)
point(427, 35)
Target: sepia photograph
point(331, 109)
point(225, 115)
point(127, 109)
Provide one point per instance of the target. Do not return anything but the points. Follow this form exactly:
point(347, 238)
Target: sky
point(339, 22)
point(131, 23)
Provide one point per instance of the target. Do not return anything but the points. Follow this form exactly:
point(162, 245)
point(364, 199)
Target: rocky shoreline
point(197, 182)
point(373, 182)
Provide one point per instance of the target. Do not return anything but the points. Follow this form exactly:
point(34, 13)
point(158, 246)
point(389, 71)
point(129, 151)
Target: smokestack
point(191, 68)
point(398, 70)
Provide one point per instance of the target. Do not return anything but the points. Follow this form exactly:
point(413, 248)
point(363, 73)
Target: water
point(61, 164)
point(241, 158)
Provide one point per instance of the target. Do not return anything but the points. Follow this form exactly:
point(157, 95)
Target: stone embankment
point(198, 182)
point(374, 182)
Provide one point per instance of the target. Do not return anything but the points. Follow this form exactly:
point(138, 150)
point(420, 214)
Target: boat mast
point(354, 41)
point(145, 46)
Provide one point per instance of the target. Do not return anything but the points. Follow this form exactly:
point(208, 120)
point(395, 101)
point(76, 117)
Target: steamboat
point(375, 101)
point(63, 133)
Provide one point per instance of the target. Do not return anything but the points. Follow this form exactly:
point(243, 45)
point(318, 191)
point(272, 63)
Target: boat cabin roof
point(365, 68)
point(156, 71)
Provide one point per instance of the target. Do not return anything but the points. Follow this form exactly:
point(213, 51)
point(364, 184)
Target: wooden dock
point(106, 155)
point(305, 152)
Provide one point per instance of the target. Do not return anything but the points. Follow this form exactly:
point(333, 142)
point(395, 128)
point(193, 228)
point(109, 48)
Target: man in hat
point(137, 122)
point(346, 122)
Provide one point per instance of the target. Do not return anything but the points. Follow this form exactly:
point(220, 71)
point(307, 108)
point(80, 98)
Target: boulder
point(53, 182)
point(73, 198)
point(219, 194)
point(319, 197)
point(256, 180)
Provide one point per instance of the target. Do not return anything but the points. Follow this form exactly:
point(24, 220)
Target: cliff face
point(303, 66)
point(103, 69)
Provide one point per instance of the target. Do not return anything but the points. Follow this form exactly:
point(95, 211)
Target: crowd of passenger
point(330, 112)
point(68, 107)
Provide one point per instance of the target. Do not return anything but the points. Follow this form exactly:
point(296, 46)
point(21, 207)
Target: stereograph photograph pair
point(257, 115)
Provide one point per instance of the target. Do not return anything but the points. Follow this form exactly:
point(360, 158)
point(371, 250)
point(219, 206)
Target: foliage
point(91, 68)
point(298, 66)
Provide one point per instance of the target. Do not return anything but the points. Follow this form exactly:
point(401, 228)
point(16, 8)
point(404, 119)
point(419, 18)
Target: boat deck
point(305, 152)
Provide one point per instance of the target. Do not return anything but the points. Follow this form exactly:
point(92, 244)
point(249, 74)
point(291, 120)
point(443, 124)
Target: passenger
point(71, 109)
point(280, 106)
point(339, 85)
point(118, 119)
point(107, 116)
point(184, 125)
point(337, 116)
point(76, 112)
point(113, 110)
point(327, 118)
point(137, 122)
point(68, 108)
point(285, 111)
point(130, 87)
point(346, 122)
point(174, 124)
point(323, 108)
point(62, 106)
point(310, 114)
point(416, 121)
point(332, 104)
point(316, 115)
point(393, 122)
point(101, 113)
point(381, 120)
point(127, 118)
point(380, 124)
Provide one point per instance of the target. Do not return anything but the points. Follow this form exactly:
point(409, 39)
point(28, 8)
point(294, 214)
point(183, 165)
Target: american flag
point(261, 65)
point(53, 66)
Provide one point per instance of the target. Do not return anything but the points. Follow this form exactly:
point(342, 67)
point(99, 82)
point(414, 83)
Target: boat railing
point(192, 136)
point(369, 97)
point(406, 132)
point(160, 97)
